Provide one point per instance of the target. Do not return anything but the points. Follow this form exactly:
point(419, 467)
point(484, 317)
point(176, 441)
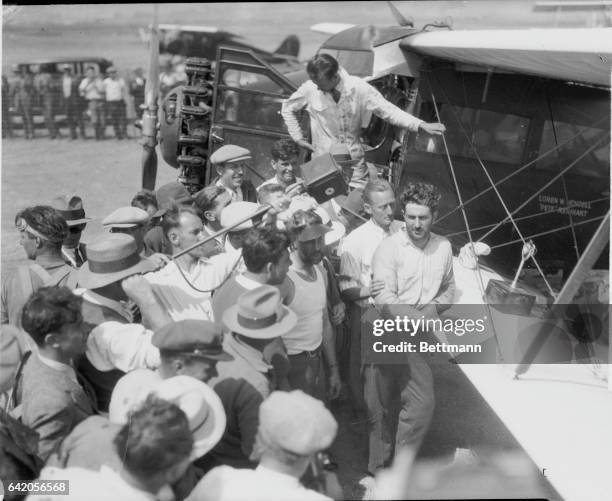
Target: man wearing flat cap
point(257, 318)
point(118, 343)
point(42, 231)
point(71, 209)
point(129, 220)
point(293, 428)
point(230, 162)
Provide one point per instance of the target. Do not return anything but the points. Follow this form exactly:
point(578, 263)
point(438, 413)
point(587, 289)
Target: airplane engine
point(185, 124)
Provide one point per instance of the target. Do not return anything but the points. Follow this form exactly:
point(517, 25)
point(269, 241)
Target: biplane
point(525, 160)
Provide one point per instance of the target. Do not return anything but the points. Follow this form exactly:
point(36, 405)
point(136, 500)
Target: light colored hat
point(230, 153)
point(236, 211)
point(337, 229)
point(196, 399)
point(296, 422)
point(71, 209)
point(110, 258)
point(342, 155)
point(126, 217)
point(260, 314)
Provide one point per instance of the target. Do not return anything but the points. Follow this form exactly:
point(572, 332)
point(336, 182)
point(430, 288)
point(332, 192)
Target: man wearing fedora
point(293, 428)
point(48, 396)
point(117, 344)
point(71, 209)
point(305, 292)
point(230, 163)
point(184, 286)
point(42, 230)
point(257, 318)
point(340, 106)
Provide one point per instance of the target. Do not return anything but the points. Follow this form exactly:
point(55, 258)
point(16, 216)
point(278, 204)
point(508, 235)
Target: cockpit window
point(496, 137)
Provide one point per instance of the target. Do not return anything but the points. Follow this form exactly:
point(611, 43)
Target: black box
point(323, 178)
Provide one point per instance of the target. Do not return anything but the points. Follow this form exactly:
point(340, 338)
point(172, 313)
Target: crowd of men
point(102, 100)
point(144, 366)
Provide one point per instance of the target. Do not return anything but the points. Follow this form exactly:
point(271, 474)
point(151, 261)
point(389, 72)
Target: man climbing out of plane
point(340, 106)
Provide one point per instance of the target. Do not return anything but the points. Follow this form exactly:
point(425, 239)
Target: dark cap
point(171, 193)
point(312, 232)
point(193, 337)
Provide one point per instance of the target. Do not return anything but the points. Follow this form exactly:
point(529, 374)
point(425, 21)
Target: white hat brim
point(337, 232)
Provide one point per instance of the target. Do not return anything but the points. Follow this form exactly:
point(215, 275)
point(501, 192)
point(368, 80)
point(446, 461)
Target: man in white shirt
point(340, 106)
point(356, 268)
point(416, 268)
point(92, 89)
point(285, 162)
point(184, 286)
point(293, 428)
point(115, 91)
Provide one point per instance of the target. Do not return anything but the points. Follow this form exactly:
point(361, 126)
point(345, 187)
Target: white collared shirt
point(114, 89)
point(115, 345)
point(341, 122)
point(236, 195)
point(276, 180)
point(414, 276)
point(356, 254)
point(179, 298)
point(225, 483)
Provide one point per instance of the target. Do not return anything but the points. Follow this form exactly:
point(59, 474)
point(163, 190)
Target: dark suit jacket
point(50, 402)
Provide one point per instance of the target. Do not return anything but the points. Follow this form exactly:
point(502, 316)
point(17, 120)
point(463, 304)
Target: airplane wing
point(330, 28)
point(578, 54)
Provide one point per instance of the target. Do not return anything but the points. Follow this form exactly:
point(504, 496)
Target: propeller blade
point(149, 116)
point(401, 20)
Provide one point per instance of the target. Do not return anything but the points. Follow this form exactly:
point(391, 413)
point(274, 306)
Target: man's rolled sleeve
point(377, 104)
point(350, 272)
point(292, 105)
point(112, 345)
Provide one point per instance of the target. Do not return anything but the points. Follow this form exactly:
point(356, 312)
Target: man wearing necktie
point(71, 209)
point(340, 106)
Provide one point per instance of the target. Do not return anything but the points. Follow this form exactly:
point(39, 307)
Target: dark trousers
point(74, 117)
point(115, 112)
point(49, 112)
point(306, 373)
point(400, 402)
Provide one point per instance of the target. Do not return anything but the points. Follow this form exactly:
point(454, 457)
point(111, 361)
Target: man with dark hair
point(211, 201)
point(47, 396)
point(145, 200)
point(356, 269)
point(415, 267)
point(71, 209)
point(42, 231)
point(306, 293)
point(285, 159)
point(154, 446)
point(230, 163)
point(340, 106)
point(184, 286)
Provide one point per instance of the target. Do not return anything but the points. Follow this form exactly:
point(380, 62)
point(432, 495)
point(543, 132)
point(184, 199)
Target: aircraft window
point(497, 137)
point(250, 80)
point(250, 110)
point(594, 164)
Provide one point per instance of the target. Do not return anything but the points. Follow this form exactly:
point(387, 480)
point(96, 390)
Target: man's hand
point(338, 313)
point(138, 289)
point(376, 287)
point(295, 189)
point(305, 144)
point(435, 129)
point(160, 260)
point(334, 382)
